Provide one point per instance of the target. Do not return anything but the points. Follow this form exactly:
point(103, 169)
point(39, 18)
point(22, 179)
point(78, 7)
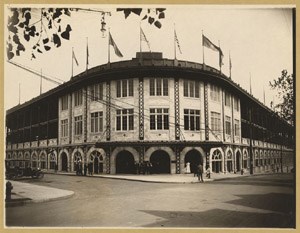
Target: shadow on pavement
point(226, 218)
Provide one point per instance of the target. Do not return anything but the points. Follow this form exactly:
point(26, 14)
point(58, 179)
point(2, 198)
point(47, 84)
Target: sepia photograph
point(149, 116)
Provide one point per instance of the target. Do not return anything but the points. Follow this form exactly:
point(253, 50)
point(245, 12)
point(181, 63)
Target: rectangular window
point(191, 119)
point(124, 88)
point(97, 92)
point(64, 128)
point(78, 98)
point(118, 88)
point(124, 119)
point(96, 122)
point(215, 93)
point(78, 125)
point(227, 99)
point(191, 89)
point(228, 125)
point(236, 104)
point(237, 128)
point(64, 102)
point(159, 87)
point(216, 122)
point(159, 118)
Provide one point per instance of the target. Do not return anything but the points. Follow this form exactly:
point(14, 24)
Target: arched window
point(216, 161)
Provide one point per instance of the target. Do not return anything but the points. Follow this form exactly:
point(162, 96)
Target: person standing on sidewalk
point(200, 172)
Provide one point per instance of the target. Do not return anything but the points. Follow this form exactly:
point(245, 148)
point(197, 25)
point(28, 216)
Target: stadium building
point(168, 112)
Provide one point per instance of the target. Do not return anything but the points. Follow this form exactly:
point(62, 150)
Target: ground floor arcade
point(162, 159)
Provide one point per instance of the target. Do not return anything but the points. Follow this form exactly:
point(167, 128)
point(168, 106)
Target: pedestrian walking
point(85, 169)
point(208, 172)
point(90, 168)
point(200, 172)
point(188, 168)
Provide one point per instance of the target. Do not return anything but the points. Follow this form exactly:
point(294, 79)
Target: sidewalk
point(23, 193)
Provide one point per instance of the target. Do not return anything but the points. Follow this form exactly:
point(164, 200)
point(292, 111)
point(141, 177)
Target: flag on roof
point(112, 42)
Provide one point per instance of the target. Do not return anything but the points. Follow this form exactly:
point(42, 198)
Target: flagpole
point(72, 60)
point(229, 65)
point(41, 81)
point(174, 44)
point(203, 48)
point(87, 53)
point(19, 93)
point(220, 62)
point(109, 45)
point(250, 85)
point(264, 97)
point(140, 42)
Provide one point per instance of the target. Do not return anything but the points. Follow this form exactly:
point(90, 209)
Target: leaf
point(32, 56)
point(157, 24)
point(21, 47)
point(58, 21)
point(14, 20)
point(161, 15)
point(66, 34)
point(56, 40)
point(150, 20)
point(39, 51)
point(68, 28)
point(21, 25)
point(12, 29)
point(18, 52)
point(45, 41)
point(10, 55)
point(27, 16)
point(59, 28)
point(145, 17)
point(50, 24)
point(137, 11)
point(47, 48)
point(16, 39)
point(26, 37)
point(57, 13)
point(67, 12)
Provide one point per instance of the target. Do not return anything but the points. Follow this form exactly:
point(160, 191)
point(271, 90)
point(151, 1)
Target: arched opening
point(216, 161)
point(245, 160)
point(229, 161)
point(125, 163)
point(238, 161)
point(77, 166)
point(160, 161)
point(194, 158)
point(64, 162)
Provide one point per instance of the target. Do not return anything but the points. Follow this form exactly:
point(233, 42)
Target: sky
point(258, 39)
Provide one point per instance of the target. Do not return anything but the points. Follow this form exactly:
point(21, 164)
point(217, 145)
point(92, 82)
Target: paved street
point(258, 201)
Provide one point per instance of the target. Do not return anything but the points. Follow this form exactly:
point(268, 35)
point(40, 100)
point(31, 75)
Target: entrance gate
point(160, 161)
point(194, 158)
point(125, 163)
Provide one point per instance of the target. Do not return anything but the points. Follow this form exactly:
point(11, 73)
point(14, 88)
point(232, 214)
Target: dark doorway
point(125, 163)
point(216, 161)
point(238, 161)
point(160, 161)
point(64, 162)
point(194, 158)
point(96, 165)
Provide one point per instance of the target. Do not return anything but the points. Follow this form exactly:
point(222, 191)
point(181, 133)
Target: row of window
point(158, 87)
point(159, 120)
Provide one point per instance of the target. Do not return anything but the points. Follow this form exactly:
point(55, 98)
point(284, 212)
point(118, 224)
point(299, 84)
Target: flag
point(177, 41)
point(112, 42)
point(221, 56)
point(74, 57)
point(143, 38)
point(207, 43)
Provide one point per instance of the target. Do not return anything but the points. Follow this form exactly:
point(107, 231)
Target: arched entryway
point(216, 161)
point(194, 158)
point(98, 162)
point(238, 161)
point(229, 162)
point(125, 163)
point(64, 162)
point(160, 161)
